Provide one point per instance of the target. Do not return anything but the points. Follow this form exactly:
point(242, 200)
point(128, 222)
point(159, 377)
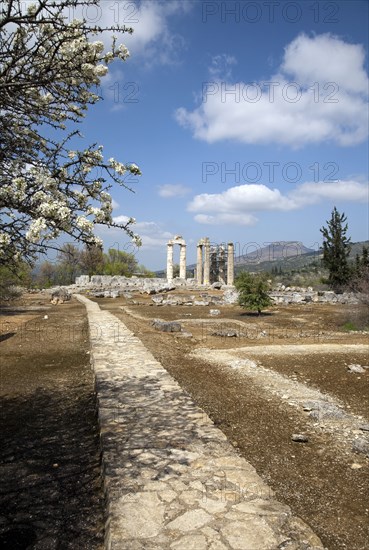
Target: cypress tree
point(336, 249)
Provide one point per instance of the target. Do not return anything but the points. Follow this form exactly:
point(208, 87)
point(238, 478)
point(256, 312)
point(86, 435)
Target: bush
point(253, 291)
point(11, 282)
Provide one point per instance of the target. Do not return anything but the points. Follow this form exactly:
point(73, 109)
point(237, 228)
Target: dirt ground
point(51, 493)
point(317, 479)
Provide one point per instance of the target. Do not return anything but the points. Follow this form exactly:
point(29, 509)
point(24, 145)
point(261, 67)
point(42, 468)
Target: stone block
point(166, 326)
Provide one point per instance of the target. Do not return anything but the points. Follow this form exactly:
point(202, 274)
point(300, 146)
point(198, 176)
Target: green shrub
point(253, 291)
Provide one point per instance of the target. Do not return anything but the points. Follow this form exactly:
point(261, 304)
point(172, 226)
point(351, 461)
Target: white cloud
point(168, 190)
point(121, 219)
point(237, 205)
point(112, 88)
point(151, 233)
point(115, 204)
point(221, 65)
point(152, 37)
point(243, 198)
point(226, 219)
point(343, 190)
point(325, 58)
point(319, 95)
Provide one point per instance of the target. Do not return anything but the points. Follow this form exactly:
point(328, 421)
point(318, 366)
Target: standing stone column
point(199, 264)
point(230, 264)
point(214, 270)
point(182, 262)
point(207, 262)
point(169, 262)
point(221, 265)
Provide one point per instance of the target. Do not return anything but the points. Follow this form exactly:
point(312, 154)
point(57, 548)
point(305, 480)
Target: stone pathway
point(172, 480)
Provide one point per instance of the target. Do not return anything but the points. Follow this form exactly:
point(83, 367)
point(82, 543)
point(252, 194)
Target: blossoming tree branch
point(49, 67)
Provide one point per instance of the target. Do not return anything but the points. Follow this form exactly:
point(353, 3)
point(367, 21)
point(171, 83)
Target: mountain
point(289, 256)
point(275, 251)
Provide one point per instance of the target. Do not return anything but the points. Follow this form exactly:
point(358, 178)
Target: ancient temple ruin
point(215, 263)
point(212, 262)
point(182, 257)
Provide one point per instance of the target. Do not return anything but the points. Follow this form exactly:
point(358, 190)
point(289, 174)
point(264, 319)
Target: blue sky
point(249, 121)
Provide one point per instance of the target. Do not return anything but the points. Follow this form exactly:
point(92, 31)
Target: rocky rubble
point(166, 326)
point(60, 295)
point(106, 286)
point(296, 295)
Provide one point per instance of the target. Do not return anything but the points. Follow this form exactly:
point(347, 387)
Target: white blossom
point(36, 229)
point(123, 52)
point(4, 239)
point(118, 166)
point(135, 169)
point(99, 46)
point(136, 239)
point(100, 70)
point(42, 192)
point(84, 224)
point(31, 10)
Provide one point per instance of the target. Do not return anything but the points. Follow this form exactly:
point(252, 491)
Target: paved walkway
point(172, 479)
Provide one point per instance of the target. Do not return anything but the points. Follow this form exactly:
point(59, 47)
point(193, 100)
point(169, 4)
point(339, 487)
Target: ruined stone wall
point(114, 286)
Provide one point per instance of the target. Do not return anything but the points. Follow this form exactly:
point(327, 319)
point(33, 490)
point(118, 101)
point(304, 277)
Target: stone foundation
point(114, 286)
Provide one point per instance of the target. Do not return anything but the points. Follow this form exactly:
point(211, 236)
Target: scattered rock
point(185, 334)
point(356, 368)
point(361, 445)
point(319, 410)
point(98, 294)
point(300, 438)
point(60, 295)
point(166, 326)
point(230, 296)
point(356, 466)
point(225, 333)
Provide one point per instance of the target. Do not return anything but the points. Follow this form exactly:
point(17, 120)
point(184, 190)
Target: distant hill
point(356, 248)
point(290, 255)
point(275, 251)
